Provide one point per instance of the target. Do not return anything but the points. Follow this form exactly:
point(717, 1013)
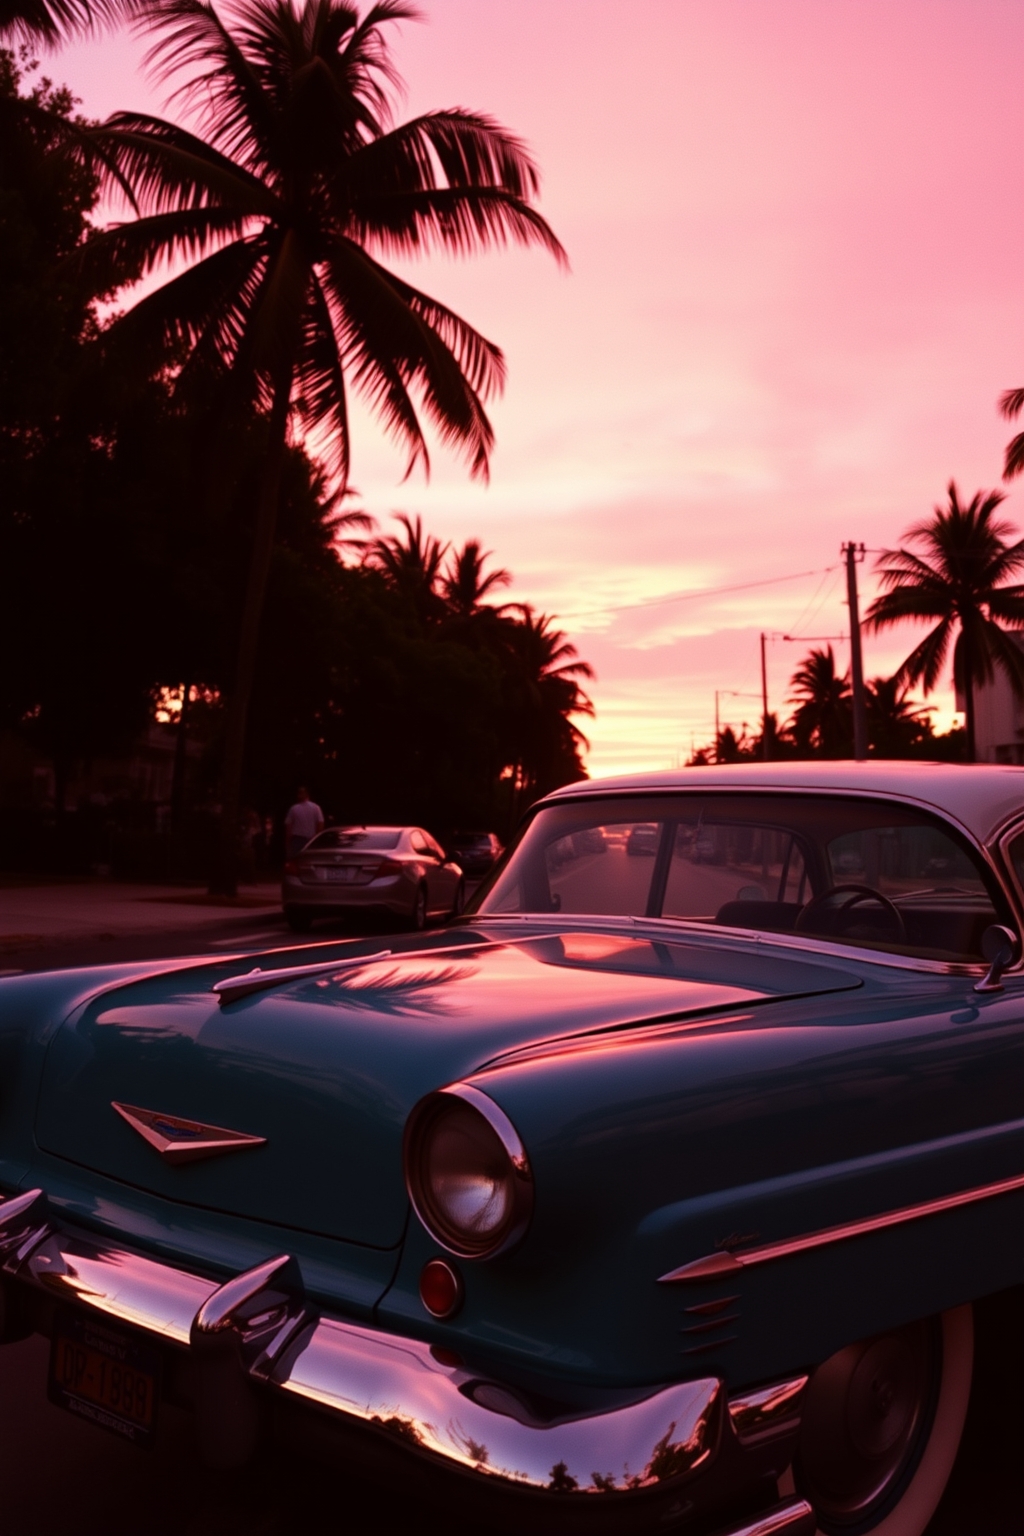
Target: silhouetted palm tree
point(822, 721)
point(957, 580)
point(543, 690)
point(412, 565)
point(896, 726)
point(1011, 403)
point(465, 584)
point(281, 206)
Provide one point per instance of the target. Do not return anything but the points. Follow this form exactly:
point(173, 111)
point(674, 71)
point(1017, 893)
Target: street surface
point(58, 1474)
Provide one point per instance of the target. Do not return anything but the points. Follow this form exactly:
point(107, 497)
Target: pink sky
point(797, 241)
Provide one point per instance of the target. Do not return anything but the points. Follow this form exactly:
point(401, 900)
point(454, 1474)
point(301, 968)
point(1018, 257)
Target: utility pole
point(854, 554)
point(764, 702)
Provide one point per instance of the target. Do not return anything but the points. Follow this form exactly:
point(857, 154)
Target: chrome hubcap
point(865, 1418)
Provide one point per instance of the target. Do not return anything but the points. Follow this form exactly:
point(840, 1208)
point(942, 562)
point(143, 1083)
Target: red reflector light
point(440, 1288)
point(389, 867)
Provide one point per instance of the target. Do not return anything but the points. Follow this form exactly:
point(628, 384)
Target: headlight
point(467, 1173)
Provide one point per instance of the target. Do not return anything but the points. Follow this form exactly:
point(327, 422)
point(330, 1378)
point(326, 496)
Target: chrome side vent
point(709, 1324)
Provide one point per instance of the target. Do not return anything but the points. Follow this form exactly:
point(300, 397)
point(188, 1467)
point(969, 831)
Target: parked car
point(626, 1202)
point(474, 852)
point(643, 840)
point(398, 871)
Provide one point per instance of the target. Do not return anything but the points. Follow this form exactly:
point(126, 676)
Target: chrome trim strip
point(397, 1385)
point(794, 1518)
point(768, 1410)
point(730, 1263)
point(258, 980)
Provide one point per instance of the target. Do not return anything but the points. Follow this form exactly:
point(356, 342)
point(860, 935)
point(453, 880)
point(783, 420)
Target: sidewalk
point(46, 913)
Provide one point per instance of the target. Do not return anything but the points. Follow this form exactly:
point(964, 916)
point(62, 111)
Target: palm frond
point(1013, 463)
point(393, 348)
point(138, 247)
point(51, 22)
point(926, 660)
point(1011, 403)
point(320, 380)
point(166, 167)
point(459, 219)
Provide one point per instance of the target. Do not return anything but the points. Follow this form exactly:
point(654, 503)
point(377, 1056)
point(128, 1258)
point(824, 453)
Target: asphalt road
point(59, 1475)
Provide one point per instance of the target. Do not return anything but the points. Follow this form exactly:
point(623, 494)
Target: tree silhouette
point(412, 565)
point(280, 205)
point(957, 580)
point(896, 726)
point(465, 583)
point(822, 719)
point(542, 688)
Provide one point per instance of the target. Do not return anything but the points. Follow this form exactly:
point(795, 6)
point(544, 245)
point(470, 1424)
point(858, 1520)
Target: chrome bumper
point(260, 1325)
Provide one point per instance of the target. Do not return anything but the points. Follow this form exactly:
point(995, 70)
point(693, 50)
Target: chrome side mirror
point(1000, 947)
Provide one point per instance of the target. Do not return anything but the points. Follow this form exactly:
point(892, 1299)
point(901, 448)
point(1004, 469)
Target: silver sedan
point(398, 871)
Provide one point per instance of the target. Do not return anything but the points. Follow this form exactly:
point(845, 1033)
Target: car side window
point(419, 843)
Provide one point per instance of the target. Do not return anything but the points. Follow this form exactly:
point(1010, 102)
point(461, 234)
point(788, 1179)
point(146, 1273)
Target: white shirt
point(304, 819)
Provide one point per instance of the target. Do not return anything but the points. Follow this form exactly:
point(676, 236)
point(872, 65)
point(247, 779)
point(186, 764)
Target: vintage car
point(655, 1192)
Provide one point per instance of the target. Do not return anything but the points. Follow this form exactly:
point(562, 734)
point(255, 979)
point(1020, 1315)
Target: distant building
point(998, 719)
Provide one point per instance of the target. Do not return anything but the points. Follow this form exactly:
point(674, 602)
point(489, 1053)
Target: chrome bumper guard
point(417, 1395)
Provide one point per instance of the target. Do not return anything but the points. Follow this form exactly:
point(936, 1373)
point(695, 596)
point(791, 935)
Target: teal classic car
point(654, 1192)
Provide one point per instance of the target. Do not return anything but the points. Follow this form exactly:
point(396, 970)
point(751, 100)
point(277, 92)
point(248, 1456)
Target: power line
point(697, 592)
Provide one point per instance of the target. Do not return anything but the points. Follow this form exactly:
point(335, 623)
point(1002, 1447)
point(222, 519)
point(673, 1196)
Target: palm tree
point(896, 726)
point(411, 565)
point(1011, 403)
point(822, 721)
point(465, 584)
point(957, 580)
point(542, 688)
point(281, 205)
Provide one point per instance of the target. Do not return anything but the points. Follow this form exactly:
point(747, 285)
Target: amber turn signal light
point(440, 1288)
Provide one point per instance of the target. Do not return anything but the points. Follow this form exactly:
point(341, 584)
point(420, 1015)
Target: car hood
point(325, 1068)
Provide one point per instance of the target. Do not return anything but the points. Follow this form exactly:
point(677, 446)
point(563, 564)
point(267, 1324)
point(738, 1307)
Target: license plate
point(346, 872)
point(104, 1375)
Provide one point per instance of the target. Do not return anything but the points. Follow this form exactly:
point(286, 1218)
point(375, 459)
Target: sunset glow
point(796, 294)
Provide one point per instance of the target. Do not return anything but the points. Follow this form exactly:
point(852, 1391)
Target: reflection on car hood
point(327, 1067)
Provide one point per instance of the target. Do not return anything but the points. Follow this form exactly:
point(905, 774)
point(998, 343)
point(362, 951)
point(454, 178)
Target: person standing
point(304, 821)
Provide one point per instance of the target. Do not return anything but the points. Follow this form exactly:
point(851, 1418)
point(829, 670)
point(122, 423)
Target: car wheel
point(460, 899)
point(418, 920)
point(299, 919)
point(881, 1427)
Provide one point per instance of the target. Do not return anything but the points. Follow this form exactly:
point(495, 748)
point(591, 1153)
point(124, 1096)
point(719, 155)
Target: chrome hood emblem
point(183, 1141)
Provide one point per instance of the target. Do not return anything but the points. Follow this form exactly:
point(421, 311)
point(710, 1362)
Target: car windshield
point(853, 870)
point(356, 837)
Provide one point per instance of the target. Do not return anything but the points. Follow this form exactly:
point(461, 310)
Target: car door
point(448, 876)
point(426, 849)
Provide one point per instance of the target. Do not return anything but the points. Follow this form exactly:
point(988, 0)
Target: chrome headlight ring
point(467, 1173)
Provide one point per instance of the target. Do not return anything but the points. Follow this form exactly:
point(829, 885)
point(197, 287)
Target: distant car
point(642, 841)
point(655, 1195)
point(395, 871)
point(474, 852)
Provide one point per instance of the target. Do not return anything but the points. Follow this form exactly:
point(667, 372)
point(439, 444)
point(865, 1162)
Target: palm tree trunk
point(224, 877)
point(972, 750)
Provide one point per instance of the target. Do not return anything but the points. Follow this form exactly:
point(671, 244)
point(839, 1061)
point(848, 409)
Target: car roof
point(981, 796)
